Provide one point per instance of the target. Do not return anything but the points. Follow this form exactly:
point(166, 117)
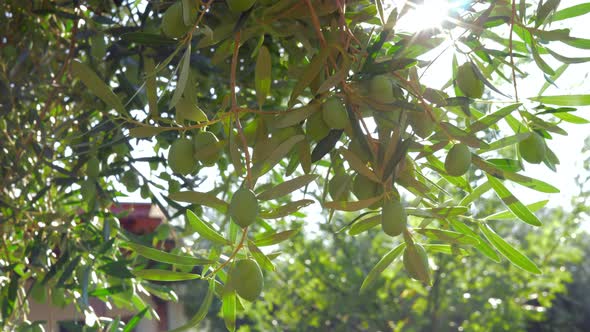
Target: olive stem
point(233, 255)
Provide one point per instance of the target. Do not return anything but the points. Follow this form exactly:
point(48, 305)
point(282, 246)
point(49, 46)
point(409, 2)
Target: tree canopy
point(252, 112)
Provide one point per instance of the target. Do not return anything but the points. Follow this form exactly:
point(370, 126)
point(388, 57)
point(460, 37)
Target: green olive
point(393, 218)
point(468, 82)
point(93, 167)
point(458, 160)
point(416, 263)
point(421, 123)
point(381, 89)
point(334, 113)
point(363, 188)
point(181, 157)
point(173, 21)
point(247, 279)
point(239, 6)
point(316, 127)
point(243, 207)
point(532, 149)
point(206, 149)
point(339, 187)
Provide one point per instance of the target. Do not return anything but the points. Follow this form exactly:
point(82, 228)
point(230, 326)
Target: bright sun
point(430, 14)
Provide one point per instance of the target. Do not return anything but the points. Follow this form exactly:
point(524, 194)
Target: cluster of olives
point(333, 115)
point(185, 154)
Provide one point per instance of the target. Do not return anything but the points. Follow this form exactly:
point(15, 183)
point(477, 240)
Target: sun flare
point(429, 14)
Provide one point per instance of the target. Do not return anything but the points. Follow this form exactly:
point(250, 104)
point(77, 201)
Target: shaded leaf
point(364, 225)
point(513, 255)
point(287, 187)
point(262, 74)
point(203, 309)
point(182, 77)
point(276, 156)
point(204, 229)
point(164, 257)
point(148, 39)
point(145, 131)
point(260, 257)
point(352, 206)
point(165, 275)
point(200, 198)
point(273, 238)
point(513, 204)
point(228, 308)
point(447, 236)
point(96, 85)
point(285, 210)
point(385, 261)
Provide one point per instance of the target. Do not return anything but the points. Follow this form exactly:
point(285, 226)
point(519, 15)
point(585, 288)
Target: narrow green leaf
point(107, 291)
point(295, 116)
point(445, 249)
point(276, 156)
point(564, 100)
point(476, 193)
point(513, 204)
point(262, 75)
point(573, 11)
point(228, 309)
point(274, 238)
point(182, 77)
point(135, 320)
point(447, 236)
point(204, 229)
point(285, 210)
point(382, 265)
point(200, 198)
point(151, 86)
point(165, 257)
point(571, 118)
point(260, 257)
point(523, 180)
point(286, 187)
point(352, 206)
point(203, 309)
point(439, 212)
point(507, 214)
point(364, 225)
point(96, 85)
point(68, 270)
point(490, 119)
point(310, 72)
point(578, 43)
point(482, 246)
point(358, 165)
point(504, 142)
point(165, 275)
point(513, 255)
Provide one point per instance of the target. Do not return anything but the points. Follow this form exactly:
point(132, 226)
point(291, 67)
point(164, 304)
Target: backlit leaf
point(262, 74)
point(385, 261)
point(513, 204)
point(204, 229)
point(513, 255)
point(164, 257)
point(165, 275)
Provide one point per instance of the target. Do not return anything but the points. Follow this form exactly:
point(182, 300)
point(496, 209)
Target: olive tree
point(255, 110)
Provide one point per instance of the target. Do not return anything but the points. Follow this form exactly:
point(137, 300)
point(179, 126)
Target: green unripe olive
point(334, 113)
point(421, 123)
point(532, 149)
point(239, 6)
point(356, 147)
point(247, 279)
point(173, 22)
point(381, 89)
point(88, 190)
point(92, 167)
point(468, 82)
point(181, 157)
point(206, 149)
point(243, 207)
point(393, 218)
point(416, 263)
point(338, 187)
point(316, 127)
point(458, 160)
point(363, 188)
point(130, 180)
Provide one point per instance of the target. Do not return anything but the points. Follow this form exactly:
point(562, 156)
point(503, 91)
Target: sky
point(567, 148)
